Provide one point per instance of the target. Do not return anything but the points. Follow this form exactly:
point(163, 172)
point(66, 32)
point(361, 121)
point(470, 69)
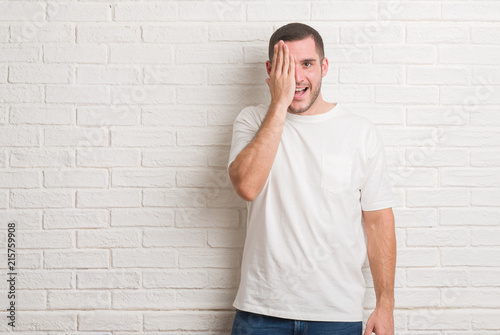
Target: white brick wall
point(115, 127)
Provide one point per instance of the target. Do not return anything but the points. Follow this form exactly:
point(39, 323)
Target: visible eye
point(307, 64)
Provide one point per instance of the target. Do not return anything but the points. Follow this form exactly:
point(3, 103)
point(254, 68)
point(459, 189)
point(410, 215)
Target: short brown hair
point(296, 32)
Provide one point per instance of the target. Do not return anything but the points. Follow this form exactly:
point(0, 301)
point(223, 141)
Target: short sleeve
point(245, 127)
point(376, 192)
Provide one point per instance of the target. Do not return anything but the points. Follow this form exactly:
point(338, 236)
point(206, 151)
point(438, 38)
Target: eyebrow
point(308, 60)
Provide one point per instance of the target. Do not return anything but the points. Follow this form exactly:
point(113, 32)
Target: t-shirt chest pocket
point(336, 172)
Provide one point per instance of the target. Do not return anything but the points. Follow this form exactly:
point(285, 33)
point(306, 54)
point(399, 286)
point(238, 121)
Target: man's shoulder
point(254, 113)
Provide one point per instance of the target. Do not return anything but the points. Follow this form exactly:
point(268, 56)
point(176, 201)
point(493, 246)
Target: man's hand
point(380, 322)
point(281, 79)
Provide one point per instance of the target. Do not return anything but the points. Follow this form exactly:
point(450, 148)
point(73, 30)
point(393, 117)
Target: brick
point(31, 219)
point(78, 299)
point(485, 197)
point(432, 157)
point(436, 277)
point(75, 219)
point(415, 298)
point(246, 75)
point(108, 198)
point(142, 137)
point(147, 11)
point(107, 157)
point(174, 33)
point(247, 32)
point(279, 11)
point(180, 74)
point(207, 136)
point(453, 197)
point(19, 179)
point(176, 320)
point(79, 53)
point(175, 116)
point(429, 319)
point(78, 178)
point(218, 197)
point(174, 157)
point(485, 277)
point(486, 157)
point(19, 136)
point(471, 298)
point(32, 299)
point(210, 54)
point(486, 76)
point(45, 114)
point(76, 11)
point(42, 33)
point(485, 34)
point(144, 299)
point(41, 199)
point(203, 178)
point(470, 97)
point(174, 279)
point(110, 279)
point(18, 93)
point(469, 54)
point(437, 75)
point(378, 74)
point(340, 10)
point(409, 11)
point(477, 10)
point(470, 177)
point(142, 218)
point(46, 240)
point(143, 94)
point(409, 54)
point(437, 33)
point(175, 198)
point(173, 238)
point(143, 178)
point(141, 54)
point(470, 137)
point(107, 32)
point(109, 320)
point(223, 278)
point(108, 74)
point(43, 279)
point(368, 34)
point(417, 257)
point(108, 115)
point(486, 320)
point(485, 237)
point(416, 217)
point(22, 11)
point(76, 137)
point(78, 94)
point(470, 256)
point(226, 238)
point(144, 258)
point(406, 94)
point(206, 298)
point(203, 11)
point(469, 216)
point(210, 258)
point(444, 115)
point(4, 33)
point(76, 259)
point(19, 53)
point(40, 74)
point(47, 320)
point(436, 237)
point(109, 238)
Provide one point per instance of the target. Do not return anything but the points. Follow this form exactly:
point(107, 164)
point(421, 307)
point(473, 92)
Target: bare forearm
point(251, 168)
point(382, 256)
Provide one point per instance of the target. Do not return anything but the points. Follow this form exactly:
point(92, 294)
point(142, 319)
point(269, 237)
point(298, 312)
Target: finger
point(291, 71)
point(275, 57)
point(286, 59)
point(279, 63)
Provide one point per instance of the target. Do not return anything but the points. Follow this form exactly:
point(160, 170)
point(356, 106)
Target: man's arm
point(250, 169)
point(381, 247)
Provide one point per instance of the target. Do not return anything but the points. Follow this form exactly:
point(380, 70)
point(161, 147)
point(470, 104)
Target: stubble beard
point(314, 96)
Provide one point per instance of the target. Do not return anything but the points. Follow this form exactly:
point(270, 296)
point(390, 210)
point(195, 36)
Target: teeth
point(299, 90)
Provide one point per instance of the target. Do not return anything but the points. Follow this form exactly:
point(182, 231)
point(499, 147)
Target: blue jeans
point(247, 323)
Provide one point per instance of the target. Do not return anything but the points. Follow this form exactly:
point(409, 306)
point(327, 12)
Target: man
point(311, 173)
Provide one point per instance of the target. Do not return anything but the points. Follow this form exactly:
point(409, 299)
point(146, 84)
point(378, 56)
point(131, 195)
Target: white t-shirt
point(305, 244)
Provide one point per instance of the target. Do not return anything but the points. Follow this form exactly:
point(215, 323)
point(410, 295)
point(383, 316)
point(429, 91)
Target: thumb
point(268, 80)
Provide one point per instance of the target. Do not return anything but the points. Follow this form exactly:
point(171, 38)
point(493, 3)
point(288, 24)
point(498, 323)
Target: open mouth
point(300, 92)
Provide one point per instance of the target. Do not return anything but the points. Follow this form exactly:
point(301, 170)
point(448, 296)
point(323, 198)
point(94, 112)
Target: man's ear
point(324, 67)
point(269, 66)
